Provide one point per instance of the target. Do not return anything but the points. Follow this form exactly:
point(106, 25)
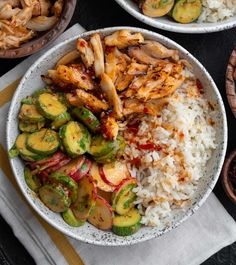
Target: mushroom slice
point(86, 52)
point(68, 58)
point(7, 12)
point(123, 38)
point(108, 88)
point(110, 127)
point(141, 56)
point(157, 50)
point(137, 69)
point(41, 23)
point(57, 8)
point(75, 74)
point(96, 43)
point(22, 18)
point(91, 101)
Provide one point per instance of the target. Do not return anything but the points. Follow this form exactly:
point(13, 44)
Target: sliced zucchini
point(100, 146)
point(28, 100)
point(54, 197)
point(76, 138)
point(30, 113)
point(49, 105)
point(67, 183)
point(71, 220)
point(45, 142)
point(128, 224)
point(60, 120)
point(24, 151)
point(123, 197)
point(30, 127)
point(13, 152)
point(40, 91)
point(157, 8)
point(87, 118)
point(31, 180)
point(86, 199)
point(122, 145)
point(108, 158)
point(101, 215)
point(187, 11)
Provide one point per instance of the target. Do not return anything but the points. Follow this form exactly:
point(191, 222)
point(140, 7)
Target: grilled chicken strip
point(86, 52)
point(99, 65)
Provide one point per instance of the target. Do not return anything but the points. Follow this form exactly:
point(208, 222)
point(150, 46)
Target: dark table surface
point(212, 50)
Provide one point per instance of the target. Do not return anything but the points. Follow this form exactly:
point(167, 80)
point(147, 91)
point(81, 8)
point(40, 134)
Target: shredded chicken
point(91, 101)
point(123, 81)
point(41, 23)
point(137, 69)
point(57, 8)
point(6, 12)
point(123, 38)
point(22, 18)
point(108, 88)
point(96, 43)
point(13, 3)
point(76, 75)
point(157, 50)
point(68, 58)
point(86, 52)
point(45, 6)
point(110, 127)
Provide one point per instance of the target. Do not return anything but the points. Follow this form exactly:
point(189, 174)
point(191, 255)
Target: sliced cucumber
point(87, 118)
point(76, 138)
point(60, 120)
point(13, 152)
point(67, 183)
point(54, 197)
point(186, 11)
point(49, 105)
point(86, 199)
point(123, 197)
point(45, 141)
point(28, 100)
point(100, 146)
point(30, 127)
point(32, 181)
point(71, 220)
point(30, 113)
point(128, 224)
point(108, 158)
point(122, 145)
point(24, 151)
point(41, 91)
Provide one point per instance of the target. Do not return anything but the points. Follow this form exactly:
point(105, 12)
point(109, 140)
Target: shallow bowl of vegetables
point(183, 16)
point(64, 142)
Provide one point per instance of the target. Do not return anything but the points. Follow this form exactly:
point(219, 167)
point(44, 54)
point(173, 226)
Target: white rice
point(185, 133)
point(217, 10)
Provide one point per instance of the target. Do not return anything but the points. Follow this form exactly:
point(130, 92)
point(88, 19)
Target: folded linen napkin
point(203, 234)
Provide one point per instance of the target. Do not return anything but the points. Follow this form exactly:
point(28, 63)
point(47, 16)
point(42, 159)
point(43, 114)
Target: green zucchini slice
point(30, 127)
point(31, 180)
point(123, 197)
point(49, 105)
point(67, 183)
point(28, 100)
point(126, 225)
point(76, 138)
point(107, 158)
point(157, 8)
point(13, 152)
point(24, 151)
point(71, 220)
point(54, 197)
point(60, 120)
point(186, 11)
point(87, 118)
point(45, 142)
point(30, 113)
point(100, 146)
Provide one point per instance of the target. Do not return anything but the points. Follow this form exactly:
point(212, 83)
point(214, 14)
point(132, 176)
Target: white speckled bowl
point(166, 23)
point(88, 233)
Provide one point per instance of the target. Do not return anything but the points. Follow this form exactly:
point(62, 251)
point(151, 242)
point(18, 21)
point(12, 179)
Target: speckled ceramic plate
point(166, 23)
point(87, 233)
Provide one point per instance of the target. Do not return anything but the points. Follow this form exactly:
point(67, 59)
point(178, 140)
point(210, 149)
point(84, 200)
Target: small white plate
point(166, 23)
point(32, 81)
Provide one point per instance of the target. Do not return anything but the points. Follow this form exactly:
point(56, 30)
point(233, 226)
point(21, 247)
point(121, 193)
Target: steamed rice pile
point(217, 10)
point(184, 135)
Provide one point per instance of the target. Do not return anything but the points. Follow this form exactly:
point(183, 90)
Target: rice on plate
point(168, 153)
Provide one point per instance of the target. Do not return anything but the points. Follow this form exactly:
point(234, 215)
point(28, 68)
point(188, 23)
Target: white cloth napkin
point(203, 234)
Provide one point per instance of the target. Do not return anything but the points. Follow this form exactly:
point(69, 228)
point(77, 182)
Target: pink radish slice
point(101, 215)
point(73, 166)
point(94, 172)
point(83, 171)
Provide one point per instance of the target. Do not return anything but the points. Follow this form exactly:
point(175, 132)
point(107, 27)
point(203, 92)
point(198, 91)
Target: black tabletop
point(212, 50)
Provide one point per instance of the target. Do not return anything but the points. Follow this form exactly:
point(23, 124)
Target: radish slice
point(71, 168)
point(105, 195)
point(94, 172)
point(83, 171)
point(101, 216)
point(113, 173)
point(53, 160)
